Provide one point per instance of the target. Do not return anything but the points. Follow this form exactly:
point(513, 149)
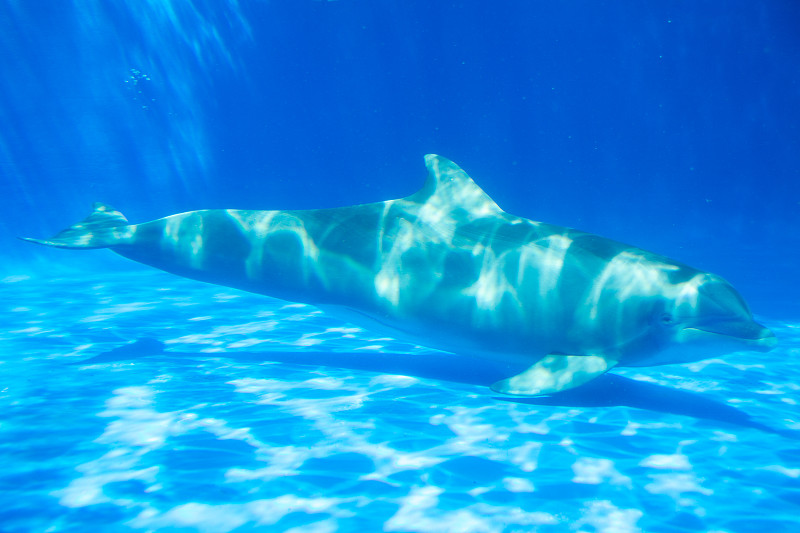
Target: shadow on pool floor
point(609, 390)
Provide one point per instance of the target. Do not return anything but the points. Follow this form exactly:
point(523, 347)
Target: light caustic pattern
point(222, 429)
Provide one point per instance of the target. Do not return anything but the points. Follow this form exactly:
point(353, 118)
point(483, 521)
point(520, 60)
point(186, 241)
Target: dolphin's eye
point(667, 319)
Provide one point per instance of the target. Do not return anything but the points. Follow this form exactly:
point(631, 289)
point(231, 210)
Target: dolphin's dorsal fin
point(449, 187)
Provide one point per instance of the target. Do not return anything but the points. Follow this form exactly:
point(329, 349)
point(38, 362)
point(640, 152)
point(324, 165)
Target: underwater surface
point(133, 400)
point(146, 402)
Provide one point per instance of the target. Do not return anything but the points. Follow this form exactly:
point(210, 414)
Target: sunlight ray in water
point(441, 360)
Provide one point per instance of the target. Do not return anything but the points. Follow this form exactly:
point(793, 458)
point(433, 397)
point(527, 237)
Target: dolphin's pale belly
point(447, 268)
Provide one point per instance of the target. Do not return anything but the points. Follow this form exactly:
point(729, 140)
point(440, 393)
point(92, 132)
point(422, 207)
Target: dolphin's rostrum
point(447, 268)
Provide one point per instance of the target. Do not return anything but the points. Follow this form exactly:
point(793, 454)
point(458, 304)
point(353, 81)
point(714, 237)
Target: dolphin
point(448, 269)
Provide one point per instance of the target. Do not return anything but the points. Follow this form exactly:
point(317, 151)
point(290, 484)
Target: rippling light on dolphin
point(447, 268)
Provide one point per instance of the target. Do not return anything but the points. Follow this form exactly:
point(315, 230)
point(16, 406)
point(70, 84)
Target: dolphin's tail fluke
point(103, 228)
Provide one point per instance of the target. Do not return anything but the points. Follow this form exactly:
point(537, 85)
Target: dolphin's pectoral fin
point(555, 373)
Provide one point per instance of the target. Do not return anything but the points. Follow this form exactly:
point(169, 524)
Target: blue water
point(132, 400)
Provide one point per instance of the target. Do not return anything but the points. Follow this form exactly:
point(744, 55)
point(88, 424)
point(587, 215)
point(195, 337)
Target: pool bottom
point(143, 401)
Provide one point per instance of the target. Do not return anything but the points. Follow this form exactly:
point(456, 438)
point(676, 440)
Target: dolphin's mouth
point(750, 336)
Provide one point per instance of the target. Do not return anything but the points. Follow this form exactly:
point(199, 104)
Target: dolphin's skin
point(447, 268)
